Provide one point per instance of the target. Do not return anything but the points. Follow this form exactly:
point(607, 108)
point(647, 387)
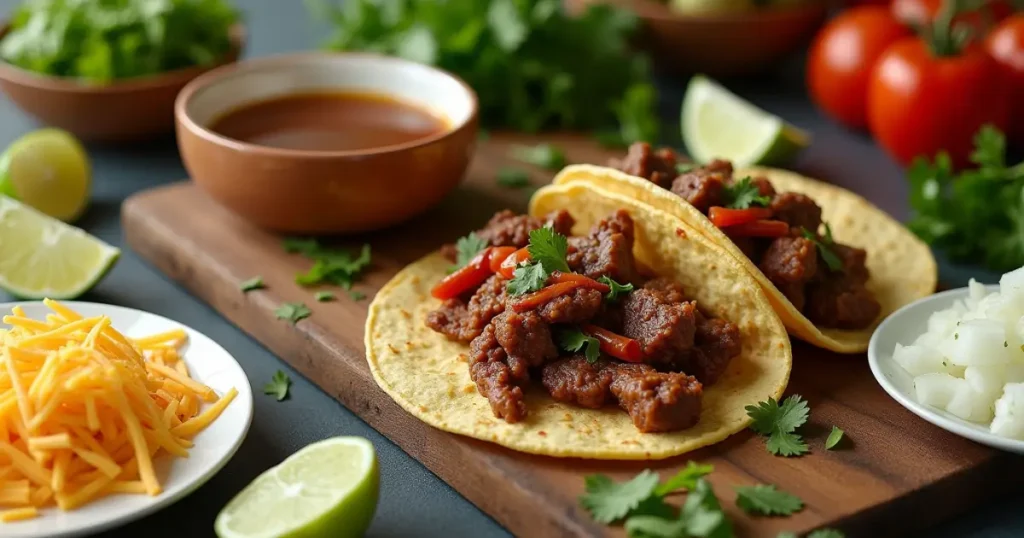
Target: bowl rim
point(184, 120)
point(237, 35)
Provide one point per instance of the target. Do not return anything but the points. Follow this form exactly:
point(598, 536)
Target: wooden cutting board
point(895, 472)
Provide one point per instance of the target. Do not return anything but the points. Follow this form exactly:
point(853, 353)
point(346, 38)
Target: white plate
point(207, 362)
point(903, 327)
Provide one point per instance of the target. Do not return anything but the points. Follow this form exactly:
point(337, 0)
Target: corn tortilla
point(902, 267)
point(428, 375)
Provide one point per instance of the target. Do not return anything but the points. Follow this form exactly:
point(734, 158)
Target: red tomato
point(920, 103)
point(919, 12)
point(1006, 45)
point(841, 58)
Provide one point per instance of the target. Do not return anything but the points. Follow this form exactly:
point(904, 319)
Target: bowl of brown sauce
point(326, 142)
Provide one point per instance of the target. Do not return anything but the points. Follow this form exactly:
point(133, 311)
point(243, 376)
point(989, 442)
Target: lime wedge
point(49, 170)
point(43, 257)
point(718, 124)
point(328, 488)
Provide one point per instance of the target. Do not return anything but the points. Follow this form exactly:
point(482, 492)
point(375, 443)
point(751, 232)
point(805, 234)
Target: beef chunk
point(716, 342)
point(841, 303)
point(525, 336)
point(576, 307)
point(790, 260)
point(576, 381)
point(658, 166)
point(797, 210)
point(658, 401)
point(662, 327)
point(670, 288)
point(607, 251)
point(463, 322)
point(506, 228)
point(855, 268)
point(495, 379)
point(764, 186)
point(702, 187)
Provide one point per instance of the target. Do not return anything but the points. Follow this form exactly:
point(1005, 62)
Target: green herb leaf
point(833, 438)
point(786, 534)
point(254, 283)
point(338, 267)
point(787, 445)
point(527, 278)
point(467, 248)
point(356, 295)
point(574, 341)
point(543, 155)
point(767, 500)
point(513, 178)
point(609, 501)
point(323, 296)
point(832, 260)
point(743, 194)
point(686, 478)
point(826, 533)
point(778, 422)
point(307, 246)
point(549, 249)
point(292, 312)
point(703, 513)
point(616, 290)
point(682, 168)
point(278, 386)
point(643, 526)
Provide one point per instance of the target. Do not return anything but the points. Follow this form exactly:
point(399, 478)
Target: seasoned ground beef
point(579, 306)
point(790, 260)
point(494, 379)
point(841, 303)
point(701, 187)
point(716, 342)
point(506, 228)
point(673, 292)
point(658, 401)
point(525, 336)
point(459, 321)
point(855, 269)
point(606, 251)
point(576, 381)
point(658, 166)
point(797, 210)
point(664, 329)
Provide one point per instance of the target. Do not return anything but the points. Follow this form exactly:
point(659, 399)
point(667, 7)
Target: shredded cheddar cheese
point(84, 410)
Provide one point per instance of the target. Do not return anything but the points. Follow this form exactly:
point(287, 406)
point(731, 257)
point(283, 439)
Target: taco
point(594, 327)
point(832, 264)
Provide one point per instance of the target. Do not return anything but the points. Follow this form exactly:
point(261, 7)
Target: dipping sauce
point(329, 122)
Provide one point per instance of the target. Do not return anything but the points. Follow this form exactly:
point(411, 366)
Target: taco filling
point(781, 232)
point(579, 316)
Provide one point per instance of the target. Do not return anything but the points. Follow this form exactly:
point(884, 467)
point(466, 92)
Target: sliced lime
point(42, 257)
point(49, 170)
point(328, 488)
point(717, 124)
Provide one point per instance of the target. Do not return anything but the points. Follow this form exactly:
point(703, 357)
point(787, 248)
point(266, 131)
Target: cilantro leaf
point(356, 295)
point(513, 178)
point(292, 312)
point(832, 260)
point(699, 511)
point(574, 341)
point(616, 289)
point(834, 438)
point(323, 296)
point(786, 534)
point(549, 249)
point(467, 248)
point(643, 526)
point(826, 533)
point(254, 283)
point(767, 500)
point(686, 478)
point(527, 278)
point(609, 501)
point(335, 266)
point(278, 386)
point(743, 194)
point(778, 422)
point(786, 445)
point(543, 155)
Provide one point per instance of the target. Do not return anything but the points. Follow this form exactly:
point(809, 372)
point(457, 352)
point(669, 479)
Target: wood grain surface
point(894, 472)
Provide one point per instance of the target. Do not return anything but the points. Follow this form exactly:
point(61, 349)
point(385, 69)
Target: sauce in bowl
point(329, 122)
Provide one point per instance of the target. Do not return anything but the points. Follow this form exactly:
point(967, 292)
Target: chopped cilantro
point(254, 283)
point(574, 341)
point(836, 435)
point(549, 248)
point(292, 312)
point(786, 534)
point(610, 501)
point(513, 178)
point(527, 278)
point(686, 478)
point(323, 296)
point(278, 386)
point(682, 168)
point(743, 194)
point(779, 422)
point(543, 155)
point(826, 533)
point(824, 245)
point(467, 248)
point(356, 295)
point(767, 500)
point(306, 246)
point(338, 267)
point(616, 288)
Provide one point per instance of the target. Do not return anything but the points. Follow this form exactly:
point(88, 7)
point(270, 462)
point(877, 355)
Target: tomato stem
point(942, 36)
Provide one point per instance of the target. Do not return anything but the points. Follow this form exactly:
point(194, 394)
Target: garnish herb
point(743, 194)
point(335, 266)
point(292, 312)
point(574, 341)
point(543, 155)
point(779, 422)
point(527, 278)
point(356, 295)
point(786, 534)
point(826, 533)
point(547, 250)
point(278, 386)
point(254, 283)
point(513, 178)
point(616, 289)
point(304, 246)
point(836, 435)
point(682, 168)
point(685, 479)
point(767, 500)
point(323, 296)
point(532, 65)
point(467, 248)
point(610, 501)
point(824, 245)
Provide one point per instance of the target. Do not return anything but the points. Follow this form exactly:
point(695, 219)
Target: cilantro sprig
point(467, 247)
point(546, 156)
point(336, 266)
point(824, 245)
point(254, 283)
point(292, 312)
point(743, 194)
point(779, 423)
point(278, 386)
point(767, 500)
point(574, 341)
point(616, 290)
point(513, 178)
point(548, 250)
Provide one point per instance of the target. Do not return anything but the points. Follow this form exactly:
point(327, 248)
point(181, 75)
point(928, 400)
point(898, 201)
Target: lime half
point(42, 257)
point(49, 170)
point(328, 488)
point(717, 124)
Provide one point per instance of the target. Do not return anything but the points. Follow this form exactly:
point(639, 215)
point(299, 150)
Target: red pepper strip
point(760, 228)
point(498, 256)
point(509, 264)
point(558, 284)
point(584, 281)
point(723, 216)
point(465, 278)
point(616, 345)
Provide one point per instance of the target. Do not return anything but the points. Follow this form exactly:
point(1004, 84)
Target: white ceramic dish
point(903, 326)
point(209, 363)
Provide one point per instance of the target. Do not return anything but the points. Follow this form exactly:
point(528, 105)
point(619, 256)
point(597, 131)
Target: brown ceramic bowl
point(312, 191)
point(720, 45)
point(122, 111)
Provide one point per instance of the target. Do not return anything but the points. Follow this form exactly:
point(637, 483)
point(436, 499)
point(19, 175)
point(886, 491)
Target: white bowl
point(903, 326)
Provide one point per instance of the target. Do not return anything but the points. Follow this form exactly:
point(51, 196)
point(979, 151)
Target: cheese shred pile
point(85, 409)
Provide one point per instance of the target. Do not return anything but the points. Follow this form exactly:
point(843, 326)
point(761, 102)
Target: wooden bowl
point(719, 45)
point(313, 191)
point(121, 111)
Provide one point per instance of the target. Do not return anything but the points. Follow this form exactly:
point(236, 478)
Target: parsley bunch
point(974, 215)
point(532, 65)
